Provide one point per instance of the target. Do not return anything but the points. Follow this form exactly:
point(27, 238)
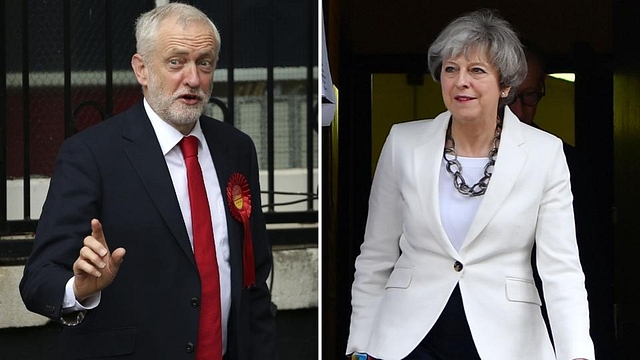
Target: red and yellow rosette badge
point(239, 197)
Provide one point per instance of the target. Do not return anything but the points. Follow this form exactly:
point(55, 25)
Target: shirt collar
point(167, 135)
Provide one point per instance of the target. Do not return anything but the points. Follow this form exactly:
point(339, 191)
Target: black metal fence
point(65, 65)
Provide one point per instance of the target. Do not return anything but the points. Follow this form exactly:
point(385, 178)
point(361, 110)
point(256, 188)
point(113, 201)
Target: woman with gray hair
point(456, 205)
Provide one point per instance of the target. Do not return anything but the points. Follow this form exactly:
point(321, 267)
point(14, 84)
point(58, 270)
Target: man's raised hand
point(95, 267)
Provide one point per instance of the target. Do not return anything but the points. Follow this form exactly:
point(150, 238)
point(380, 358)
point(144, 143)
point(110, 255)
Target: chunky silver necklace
point(454, 168)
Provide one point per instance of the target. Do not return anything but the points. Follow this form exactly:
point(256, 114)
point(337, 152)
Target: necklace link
point(453, 166)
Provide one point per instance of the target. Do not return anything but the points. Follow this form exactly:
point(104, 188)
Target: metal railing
point(47, 95)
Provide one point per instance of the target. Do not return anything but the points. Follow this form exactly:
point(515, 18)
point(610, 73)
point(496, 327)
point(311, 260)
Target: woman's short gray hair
point(148, 24)
point(485, 30)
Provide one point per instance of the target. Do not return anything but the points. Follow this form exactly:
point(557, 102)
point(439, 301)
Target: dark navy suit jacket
point(116, 172)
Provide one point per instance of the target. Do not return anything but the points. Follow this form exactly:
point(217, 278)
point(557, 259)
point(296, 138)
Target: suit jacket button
point(195, 302)
point(189, 347)
point(457, 266)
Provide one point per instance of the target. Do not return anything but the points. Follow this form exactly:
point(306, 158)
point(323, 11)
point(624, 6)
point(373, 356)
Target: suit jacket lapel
point(428, 178)
point(145, 154)
point(509, 163)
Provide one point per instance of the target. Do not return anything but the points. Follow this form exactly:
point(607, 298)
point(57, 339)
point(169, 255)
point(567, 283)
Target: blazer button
point(189, 347)
point(195, 302)
point(457, 266)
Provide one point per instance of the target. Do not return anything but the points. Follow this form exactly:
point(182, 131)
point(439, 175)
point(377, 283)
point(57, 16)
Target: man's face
point(180, 72)
point(529, 93)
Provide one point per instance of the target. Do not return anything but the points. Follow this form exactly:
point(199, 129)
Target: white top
point(169, 137)
point(457, 211)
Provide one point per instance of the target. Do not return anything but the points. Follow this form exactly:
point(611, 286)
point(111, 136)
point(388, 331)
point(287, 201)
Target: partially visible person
point(456, 204)
point(524, 106)
point(152, 243)
point(532, 89)
point(529, 94)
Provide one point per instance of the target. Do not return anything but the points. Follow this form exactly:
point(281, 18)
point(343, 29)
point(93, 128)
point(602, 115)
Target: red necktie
point(209, 345)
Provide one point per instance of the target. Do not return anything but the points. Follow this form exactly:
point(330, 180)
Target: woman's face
point(471, 87)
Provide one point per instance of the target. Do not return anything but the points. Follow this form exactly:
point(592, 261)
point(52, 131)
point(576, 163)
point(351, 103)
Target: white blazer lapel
point(428, 177)
point(509, 163)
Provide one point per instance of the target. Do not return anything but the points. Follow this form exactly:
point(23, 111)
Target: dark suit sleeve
point(71, 203)
point(261, 320)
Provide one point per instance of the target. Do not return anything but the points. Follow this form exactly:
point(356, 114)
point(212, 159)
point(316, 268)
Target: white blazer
point(406, 273)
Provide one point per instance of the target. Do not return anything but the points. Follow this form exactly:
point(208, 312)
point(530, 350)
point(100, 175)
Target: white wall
point(295, 286)
point(286, 180)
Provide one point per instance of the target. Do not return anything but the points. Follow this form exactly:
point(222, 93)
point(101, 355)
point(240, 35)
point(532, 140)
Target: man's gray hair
point(148, 24)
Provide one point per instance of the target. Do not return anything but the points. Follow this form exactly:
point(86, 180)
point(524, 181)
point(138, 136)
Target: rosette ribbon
point(239, 198)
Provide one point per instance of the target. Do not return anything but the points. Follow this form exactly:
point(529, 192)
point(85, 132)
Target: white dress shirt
point(169, 137)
